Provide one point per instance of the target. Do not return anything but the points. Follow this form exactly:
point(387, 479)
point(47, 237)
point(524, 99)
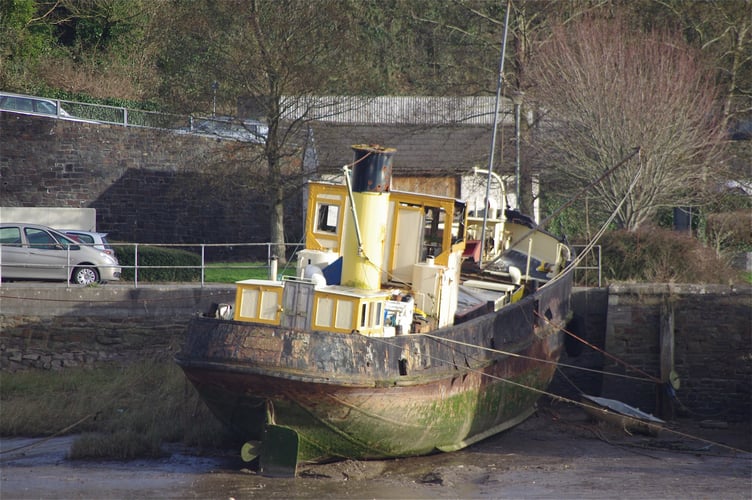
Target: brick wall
point(148, 186)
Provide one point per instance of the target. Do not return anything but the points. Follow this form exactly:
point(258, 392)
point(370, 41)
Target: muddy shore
point(558, 453)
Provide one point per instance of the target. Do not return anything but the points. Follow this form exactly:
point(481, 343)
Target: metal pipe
point(352, 210)
point(517, 177)
point(496, 176)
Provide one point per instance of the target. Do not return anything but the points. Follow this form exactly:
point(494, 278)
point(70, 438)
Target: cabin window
point(433, 229)
point(458, 224)
point(269, 304)
point(364, 315)
point(328, 218)
point(377, 314)
point(249, 303)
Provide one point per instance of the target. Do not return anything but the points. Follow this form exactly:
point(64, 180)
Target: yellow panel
point(344, 316)
point(258, 302)
point(248, 308)
point(324, 312)
point(406, 240)
point(325, 194)
point(270, 300)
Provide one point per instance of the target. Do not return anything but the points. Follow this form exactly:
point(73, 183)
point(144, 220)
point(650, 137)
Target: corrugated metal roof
point(421, 150)
point(414, 110)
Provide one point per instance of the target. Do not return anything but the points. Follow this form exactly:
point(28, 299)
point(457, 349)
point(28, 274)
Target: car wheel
point(85, 276)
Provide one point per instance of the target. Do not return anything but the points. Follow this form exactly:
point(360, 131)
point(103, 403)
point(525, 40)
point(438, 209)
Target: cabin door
point(297, 301)
point(408, 240)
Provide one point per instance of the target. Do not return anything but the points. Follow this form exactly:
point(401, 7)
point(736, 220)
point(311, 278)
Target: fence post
point(135, 266)
point(203, 262)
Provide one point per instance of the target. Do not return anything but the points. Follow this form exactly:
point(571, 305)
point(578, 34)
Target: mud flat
point(558, 453)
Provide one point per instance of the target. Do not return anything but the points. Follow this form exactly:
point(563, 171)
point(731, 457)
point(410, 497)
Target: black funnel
point(372, 168)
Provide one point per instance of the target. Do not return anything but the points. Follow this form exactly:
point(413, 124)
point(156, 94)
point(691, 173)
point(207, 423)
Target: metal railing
point(265, 263)
point(590, 262)
point(126, 117)
point(255, 256)
point(236, 256)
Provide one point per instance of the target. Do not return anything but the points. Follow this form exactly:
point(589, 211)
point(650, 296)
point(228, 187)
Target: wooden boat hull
point(359, 397)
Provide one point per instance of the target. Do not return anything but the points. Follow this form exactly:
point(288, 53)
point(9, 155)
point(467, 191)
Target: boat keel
point(277, 451)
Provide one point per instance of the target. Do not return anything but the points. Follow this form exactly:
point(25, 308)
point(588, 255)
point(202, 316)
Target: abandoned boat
point(380, 347)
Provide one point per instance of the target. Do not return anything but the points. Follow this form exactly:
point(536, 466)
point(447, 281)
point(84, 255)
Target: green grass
point(119, 412)
point(230, 272)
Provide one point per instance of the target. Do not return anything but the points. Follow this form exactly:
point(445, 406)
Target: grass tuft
point(119, 411)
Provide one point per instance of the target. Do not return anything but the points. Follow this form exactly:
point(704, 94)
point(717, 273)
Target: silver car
point(31, 251)
point(29, 104)
point(229, 127)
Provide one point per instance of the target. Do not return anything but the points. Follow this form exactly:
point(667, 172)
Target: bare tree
point(607, 89)
point(277, 53)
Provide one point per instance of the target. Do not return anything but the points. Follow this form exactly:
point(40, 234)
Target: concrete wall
point(84, 219)
point(54, 327)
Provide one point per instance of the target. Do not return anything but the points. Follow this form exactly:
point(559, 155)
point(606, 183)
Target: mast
point(499, 86)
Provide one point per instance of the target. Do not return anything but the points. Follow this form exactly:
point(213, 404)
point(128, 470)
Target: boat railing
point(589, 264)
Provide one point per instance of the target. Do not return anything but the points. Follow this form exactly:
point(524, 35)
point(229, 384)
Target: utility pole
point(214, 87)
point(516, 97)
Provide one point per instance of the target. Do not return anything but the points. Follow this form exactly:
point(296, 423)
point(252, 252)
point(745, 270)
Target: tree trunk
point(277, 224)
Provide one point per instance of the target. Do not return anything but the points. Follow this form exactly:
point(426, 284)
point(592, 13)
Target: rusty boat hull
point(360, 397)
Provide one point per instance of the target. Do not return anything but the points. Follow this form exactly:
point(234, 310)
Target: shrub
point(661, 255)
point(178, 265)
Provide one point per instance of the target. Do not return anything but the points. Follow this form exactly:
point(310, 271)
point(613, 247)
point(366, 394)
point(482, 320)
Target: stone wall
point(147, 185)
point(712, 327)
point(54, 327)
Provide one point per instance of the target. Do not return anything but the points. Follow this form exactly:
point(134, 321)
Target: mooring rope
point(52, 436)
point(555, 397)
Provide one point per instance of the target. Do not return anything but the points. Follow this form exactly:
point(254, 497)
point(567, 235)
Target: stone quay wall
point(53, 327)
point(711, 352)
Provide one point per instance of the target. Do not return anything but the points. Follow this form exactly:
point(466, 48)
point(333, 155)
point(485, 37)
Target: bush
point(179, 265)
point(661, 255)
